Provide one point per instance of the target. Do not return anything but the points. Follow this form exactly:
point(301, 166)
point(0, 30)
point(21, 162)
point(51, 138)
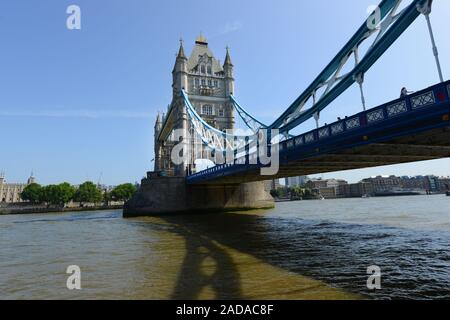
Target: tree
point(123, 192)
point(57, 194)
point(65, 193)
point(32, 193)
point(88, 192)
point(107, 197)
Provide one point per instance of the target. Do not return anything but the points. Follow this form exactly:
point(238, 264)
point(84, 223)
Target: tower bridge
point(204, 111)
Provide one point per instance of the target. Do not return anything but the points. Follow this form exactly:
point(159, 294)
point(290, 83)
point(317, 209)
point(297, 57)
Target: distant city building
point(444, 184)
point(428, 183)
point(329, 189)
point(383, 183)
point(296, 181)
point(356, 190)
point(10, 192)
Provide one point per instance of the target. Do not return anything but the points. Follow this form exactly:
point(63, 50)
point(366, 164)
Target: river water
point(299, 250)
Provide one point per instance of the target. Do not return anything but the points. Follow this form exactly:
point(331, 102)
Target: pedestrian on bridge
point(405, 92)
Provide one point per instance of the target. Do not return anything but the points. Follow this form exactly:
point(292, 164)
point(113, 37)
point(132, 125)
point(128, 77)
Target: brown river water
point(299, 250)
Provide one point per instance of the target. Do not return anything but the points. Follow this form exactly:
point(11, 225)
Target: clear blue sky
point(74, 104)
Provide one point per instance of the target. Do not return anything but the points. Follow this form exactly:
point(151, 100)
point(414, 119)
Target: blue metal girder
point(243, 112)
point(397, 28)
point(379, 131)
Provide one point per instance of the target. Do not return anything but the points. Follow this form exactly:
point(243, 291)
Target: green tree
point(65, 193)
point(46, 194)
point(32, 193)
point(107, 197)
point(57, 194)
point(123, 192)
point(88, 192)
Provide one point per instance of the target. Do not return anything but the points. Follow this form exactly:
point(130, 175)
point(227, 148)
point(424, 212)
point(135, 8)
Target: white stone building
point(10, 192)
point(209, 85)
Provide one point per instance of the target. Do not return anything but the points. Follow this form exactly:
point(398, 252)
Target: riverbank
point(38, 210)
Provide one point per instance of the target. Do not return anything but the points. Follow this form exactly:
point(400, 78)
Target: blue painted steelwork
point(395, 26)
point(249, 120)
point(375, 124)
point(216, 140)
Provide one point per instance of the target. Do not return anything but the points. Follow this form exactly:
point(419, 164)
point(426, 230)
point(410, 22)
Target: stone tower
point(209, 85)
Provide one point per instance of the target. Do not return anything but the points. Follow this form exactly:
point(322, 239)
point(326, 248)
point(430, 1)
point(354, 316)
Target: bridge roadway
point(410, 129)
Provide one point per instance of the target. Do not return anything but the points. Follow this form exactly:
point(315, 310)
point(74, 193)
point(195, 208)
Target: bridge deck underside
point(419, 134)
point(429, 145)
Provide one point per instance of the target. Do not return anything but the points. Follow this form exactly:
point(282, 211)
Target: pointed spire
point(227, 58)
point(181, 54)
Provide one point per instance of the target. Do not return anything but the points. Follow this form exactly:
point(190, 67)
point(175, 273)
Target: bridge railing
point(425, 98)
point(429, 97)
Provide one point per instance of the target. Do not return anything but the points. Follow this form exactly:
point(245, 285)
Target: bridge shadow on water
point(414, 264)
point(209, 237)
point(201, 252)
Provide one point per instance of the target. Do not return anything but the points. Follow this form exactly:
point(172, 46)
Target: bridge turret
point(157, 143)
point(180, 72)
point(228, 72)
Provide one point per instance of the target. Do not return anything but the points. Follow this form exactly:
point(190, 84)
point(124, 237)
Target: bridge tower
point(209, 85)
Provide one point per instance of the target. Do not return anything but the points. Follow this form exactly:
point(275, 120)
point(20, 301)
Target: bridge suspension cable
point(251, 122)
point(216, 140)
point(387, 24)
point(425, 9)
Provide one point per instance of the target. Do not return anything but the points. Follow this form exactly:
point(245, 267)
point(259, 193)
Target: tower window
point(207, 110)
point(216, 83)
point(197, 83)
point(202, 68)
point(210, 83)
point(221, 113)
point(209, 70)
point(203, 82)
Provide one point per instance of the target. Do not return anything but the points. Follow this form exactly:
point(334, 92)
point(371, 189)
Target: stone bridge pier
point(172, 195)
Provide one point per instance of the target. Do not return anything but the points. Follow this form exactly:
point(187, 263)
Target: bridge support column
point(171, 195)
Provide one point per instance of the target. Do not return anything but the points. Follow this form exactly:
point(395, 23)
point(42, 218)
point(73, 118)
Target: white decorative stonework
point(375, 116)
point(299, 140)
point(423, 100)
point(337, 128)
point(396, 109)
point(353, 123)
point(323, 133)
point(309, 137)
